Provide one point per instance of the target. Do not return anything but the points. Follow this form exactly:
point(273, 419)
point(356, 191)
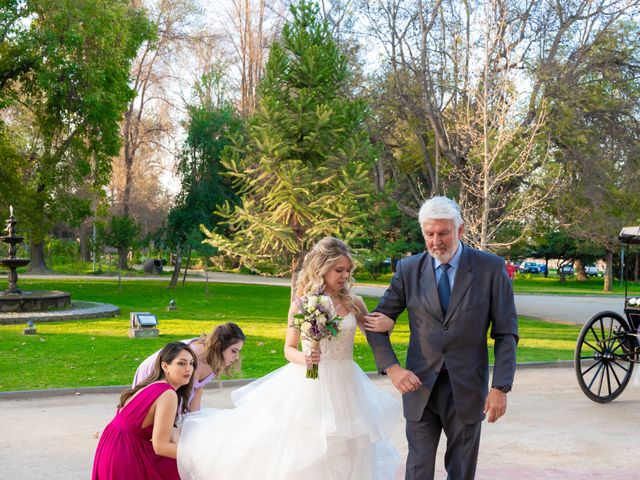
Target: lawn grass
point(98, 352)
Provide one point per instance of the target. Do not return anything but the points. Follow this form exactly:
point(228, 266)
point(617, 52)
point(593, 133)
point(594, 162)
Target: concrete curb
point(111, 389)
point(83, 310)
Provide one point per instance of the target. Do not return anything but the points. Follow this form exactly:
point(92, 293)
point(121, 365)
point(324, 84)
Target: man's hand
point(404, 380)
point(496, 405)
point(378, 322)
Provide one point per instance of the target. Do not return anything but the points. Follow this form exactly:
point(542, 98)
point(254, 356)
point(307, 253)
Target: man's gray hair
point(437, 208)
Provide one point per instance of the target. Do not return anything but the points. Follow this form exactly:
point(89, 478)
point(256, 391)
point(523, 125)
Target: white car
point(591, 271)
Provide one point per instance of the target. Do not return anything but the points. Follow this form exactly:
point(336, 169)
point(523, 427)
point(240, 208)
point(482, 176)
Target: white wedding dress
point(286, 426)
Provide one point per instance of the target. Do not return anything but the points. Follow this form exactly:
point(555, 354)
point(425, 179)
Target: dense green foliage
point(204, 186)
point(594, 125)
point(533, 130)
point(302, 171)
point(64, 83)
point(121, 233)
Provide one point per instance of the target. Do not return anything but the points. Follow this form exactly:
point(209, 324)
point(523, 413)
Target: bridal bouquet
point(317, 320)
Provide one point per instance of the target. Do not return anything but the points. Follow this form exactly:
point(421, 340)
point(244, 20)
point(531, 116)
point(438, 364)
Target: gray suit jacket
point(481, 298)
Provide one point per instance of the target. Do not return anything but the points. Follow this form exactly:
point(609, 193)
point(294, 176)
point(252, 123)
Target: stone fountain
point(15, 300)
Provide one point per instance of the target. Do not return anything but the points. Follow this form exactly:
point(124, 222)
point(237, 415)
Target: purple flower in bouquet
point(316, 320)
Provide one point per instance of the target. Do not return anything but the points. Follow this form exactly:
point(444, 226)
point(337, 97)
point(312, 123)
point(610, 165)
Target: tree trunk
point(128, 160)
point(122, 259)
point(175, 276)
point(562, 276)
point(608, 274)
point(546, 267)
point(85, 240)
point(486, 162)
point(184, 278)
point(38, 263)
point(206, 275)
point(296, 265)
point(580, 274)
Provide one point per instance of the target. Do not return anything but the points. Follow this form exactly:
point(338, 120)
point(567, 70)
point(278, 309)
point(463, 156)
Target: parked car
point(543, 268)
point(591, 270)
point(529, 267)
point(566, 269)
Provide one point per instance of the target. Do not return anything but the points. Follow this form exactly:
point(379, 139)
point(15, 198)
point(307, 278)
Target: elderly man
point(454, 295)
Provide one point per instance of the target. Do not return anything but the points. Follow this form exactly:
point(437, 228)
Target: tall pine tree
point(302, 171)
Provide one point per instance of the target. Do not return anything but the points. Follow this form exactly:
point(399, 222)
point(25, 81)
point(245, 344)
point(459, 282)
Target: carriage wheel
point(602, 360)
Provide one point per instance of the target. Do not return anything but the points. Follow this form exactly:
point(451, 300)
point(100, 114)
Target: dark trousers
point(463, 440)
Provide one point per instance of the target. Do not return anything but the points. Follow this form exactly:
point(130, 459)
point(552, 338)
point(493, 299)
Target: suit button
point(445, 328)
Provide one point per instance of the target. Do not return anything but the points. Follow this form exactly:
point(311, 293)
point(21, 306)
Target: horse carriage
point(608, 346)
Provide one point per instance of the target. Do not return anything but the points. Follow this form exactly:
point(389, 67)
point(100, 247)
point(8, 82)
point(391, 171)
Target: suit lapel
point(464, 277)
point(429, 289)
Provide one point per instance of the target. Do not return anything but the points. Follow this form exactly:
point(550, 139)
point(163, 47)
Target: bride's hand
point(311, 357)
point(378, 322)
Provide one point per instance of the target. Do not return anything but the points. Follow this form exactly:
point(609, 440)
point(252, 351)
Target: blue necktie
point(444, 287)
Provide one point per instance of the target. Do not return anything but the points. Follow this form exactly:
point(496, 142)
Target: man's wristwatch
point(386, 370)
point(502, 388)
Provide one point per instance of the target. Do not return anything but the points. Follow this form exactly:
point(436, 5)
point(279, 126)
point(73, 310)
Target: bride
point(286, 426)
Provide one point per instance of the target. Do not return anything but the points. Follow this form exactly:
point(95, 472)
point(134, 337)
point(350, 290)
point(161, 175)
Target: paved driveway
point(551, 431)
point(567, 309)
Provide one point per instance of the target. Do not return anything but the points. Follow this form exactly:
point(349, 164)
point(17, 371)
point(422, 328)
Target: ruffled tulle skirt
point(285, 427)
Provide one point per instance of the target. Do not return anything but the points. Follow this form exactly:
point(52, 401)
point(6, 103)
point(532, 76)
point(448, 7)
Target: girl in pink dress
point(137, 443)
point(218, 353)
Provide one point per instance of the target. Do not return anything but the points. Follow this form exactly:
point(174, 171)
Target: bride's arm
point(362, 312)
point(292, 340)
point(381, 324)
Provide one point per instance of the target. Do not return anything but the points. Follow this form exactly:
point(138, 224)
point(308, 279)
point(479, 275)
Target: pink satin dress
point(125, 451)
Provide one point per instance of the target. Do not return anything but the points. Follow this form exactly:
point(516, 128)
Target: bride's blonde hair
point(324, 255)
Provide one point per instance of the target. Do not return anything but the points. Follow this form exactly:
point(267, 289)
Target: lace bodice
point(339, 347)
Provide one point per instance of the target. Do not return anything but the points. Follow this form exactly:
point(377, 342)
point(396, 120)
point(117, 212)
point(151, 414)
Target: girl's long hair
point(168, 354)
point(216, 342)
point(318, 262)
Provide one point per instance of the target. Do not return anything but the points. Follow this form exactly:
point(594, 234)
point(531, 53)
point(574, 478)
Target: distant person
point(218, 353)
point(511, 270)
point(454, 295)
point(137, 443)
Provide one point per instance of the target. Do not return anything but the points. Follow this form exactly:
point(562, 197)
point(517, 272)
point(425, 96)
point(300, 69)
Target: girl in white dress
point(286, 426)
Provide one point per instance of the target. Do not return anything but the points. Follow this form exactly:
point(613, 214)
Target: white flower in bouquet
point(311, 303)
point(632, 301)
point(325, 301)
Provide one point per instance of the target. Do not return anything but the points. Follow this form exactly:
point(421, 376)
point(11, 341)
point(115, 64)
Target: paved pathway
point(551, 431)
point(566, 308)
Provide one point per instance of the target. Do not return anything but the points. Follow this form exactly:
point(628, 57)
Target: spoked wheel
point(603, 361)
